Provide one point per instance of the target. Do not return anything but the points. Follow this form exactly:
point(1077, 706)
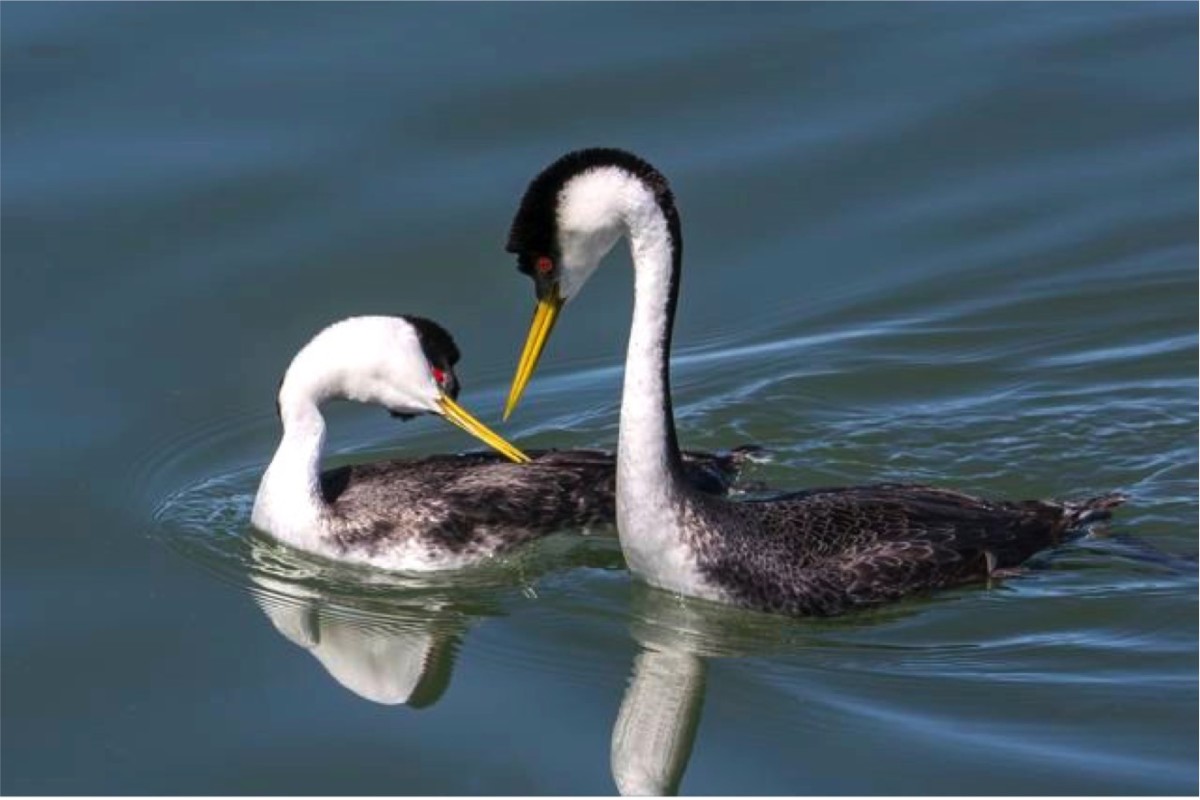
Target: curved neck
point(289, 502)
point(652, 494)
point(647, 428)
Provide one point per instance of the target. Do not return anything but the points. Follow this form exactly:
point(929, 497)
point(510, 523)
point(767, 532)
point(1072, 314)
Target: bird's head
point(570, 217)
point(405, 364)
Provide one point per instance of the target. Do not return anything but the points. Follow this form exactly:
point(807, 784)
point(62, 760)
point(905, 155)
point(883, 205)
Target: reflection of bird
point(437, 512)
point(406, 657)
point(656, 725)
point(822, 551)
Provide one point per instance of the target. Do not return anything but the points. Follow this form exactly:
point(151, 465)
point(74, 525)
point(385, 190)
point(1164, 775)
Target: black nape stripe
point(534, 227)
point(436, 342)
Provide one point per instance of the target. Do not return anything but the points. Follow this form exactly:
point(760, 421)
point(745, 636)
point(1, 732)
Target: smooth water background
point(945, 243)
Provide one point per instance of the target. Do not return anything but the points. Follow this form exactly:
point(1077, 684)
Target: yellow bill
point(544, 317)
point(463, 419)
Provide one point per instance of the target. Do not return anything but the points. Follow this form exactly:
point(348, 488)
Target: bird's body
point(818, 552)
point(431, 513)
point(450, 511)
point(826, 551)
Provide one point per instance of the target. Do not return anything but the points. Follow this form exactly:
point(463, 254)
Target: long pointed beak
point(460, 417)
point(544, 317)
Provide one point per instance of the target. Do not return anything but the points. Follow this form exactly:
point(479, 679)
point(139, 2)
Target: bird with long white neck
point(819, 551)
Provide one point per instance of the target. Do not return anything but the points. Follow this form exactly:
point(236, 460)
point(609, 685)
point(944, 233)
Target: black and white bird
point(815, 552)
point(436, 512)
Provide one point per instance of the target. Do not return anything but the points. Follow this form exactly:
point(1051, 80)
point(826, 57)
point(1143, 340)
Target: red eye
point(439, 376)
point(544, 265)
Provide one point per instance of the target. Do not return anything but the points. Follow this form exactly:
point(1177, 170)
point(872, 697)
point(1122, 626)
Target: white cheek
point(417, 395)
point(593, 214)
point(406, 378)
point(581, 253)
point(398, 388)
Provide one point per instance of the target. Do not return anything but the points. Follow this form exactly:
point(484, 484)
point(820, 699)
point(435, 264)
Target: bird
point(438, 512)
point(814, 552)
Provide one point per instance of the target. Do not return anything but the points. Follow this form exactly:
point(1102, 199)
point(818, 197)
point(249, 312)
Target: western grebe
point(437, 512)
point(821, 551)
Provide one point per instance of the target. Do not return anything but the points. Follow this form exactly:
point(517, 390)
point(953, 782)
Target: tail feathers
point(1084, 512)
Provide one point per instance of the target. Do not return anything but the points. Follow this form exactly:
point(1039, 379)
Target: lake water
point(939, 243)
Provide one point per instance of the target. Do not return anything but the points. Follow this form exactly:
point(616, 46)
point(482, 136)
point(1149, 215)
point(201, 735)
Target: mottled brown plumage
point(475, 505)
point(827, 551)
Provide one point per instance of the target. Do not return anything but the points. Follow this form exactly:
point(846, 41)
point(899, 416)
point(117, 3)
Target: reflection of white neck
point(656, 726)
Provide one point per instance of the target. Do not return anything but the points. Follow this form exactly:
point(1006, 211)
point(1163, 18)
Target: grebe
point(437, 512)
point(816, 552)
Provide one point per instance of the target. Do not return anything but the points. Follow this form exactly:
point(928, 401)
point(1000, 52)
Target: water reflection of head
point(387, 639)
point(402, 657)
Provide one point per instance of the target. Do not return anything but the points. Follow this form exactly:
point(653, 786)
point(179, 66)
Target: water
point(939, 243)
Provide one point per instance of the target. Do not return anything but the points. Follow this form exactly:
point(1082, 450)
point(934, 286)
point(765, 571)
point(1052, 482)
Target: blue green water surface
point(937, 243)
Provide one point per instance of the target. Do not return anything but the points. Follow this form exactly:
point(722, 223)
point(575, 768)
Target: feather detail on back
point(447, 511)
point(826, 551)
